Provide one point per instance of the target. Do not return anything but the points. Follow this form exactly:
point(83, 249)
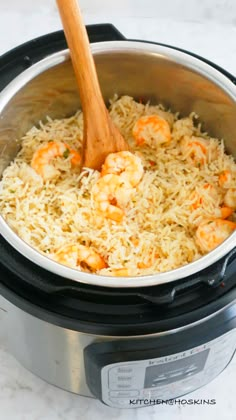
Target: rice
point(159, 221)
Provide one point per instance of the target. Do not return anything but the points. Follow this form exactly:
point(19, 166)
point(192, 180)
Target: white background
point(206, 27)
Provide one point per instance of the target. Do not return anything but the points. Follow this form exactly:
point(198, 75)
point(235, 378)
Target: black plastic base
point(106, 311)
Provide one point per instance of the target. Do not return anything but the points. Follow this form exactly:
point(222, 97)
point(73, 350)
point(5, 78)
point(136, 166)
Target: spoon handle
point(81, 55)
point(101, 136)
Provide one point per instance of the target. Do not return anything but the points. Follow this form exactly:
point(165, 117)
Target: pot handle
point(217, 277)
point(20, 58)
point(104, 32)
point(212, 276)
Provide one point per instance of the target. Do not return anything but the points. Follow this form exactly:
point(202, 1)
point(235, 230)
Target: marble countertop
point(207, 28)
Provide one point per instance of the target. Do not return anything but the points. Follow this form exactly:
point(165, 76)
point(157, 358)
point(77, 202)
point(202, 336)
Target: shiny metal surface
point(153, 72)
point(55, 354)
point(50, 352)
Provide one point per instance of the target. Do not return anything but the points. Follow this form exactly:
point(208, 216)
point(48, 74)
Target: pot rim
point(94, 279)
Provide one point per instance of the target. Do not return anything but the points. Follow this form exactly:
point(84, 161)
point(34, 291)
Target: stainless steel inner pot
point(156, 73)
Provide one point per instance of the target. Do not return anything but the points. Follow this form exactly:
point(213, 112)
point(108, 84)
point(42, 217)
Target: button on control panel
point(122, 394)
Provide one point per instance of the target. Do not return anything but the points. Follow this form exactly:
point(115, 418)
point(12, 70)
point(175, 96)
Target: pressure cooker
point(128, 342)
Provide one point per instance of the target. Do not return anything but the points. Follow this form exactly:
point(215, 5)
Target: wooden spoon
point(101, 136)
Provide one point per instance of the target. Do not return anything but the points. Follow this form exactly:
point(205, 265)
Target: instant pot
point(129, 342)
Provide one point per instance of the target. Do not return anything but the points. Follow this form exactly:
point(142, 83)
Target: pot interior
point(144, 71)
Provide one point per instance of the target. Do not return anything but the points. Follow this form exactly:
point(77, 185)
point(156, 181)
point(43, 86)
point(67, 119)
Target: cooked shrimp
point(152, 130)
point(225, 212)
point(75, 255)
point(111, 194)
point(202, 196)
point(208, 197)
point(41, 161)
point(194, 148)
point(225, 179)
point(125, 164)
point(213, 232)
point(120, 272)
point(230, 198)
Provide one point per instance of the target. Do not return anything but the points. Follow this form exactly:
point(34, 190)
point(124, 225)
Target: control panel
point(165, 377)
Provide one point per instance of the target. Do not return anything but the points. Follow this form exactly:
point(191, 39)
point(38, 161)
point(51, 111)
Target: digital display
point(166, 373)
